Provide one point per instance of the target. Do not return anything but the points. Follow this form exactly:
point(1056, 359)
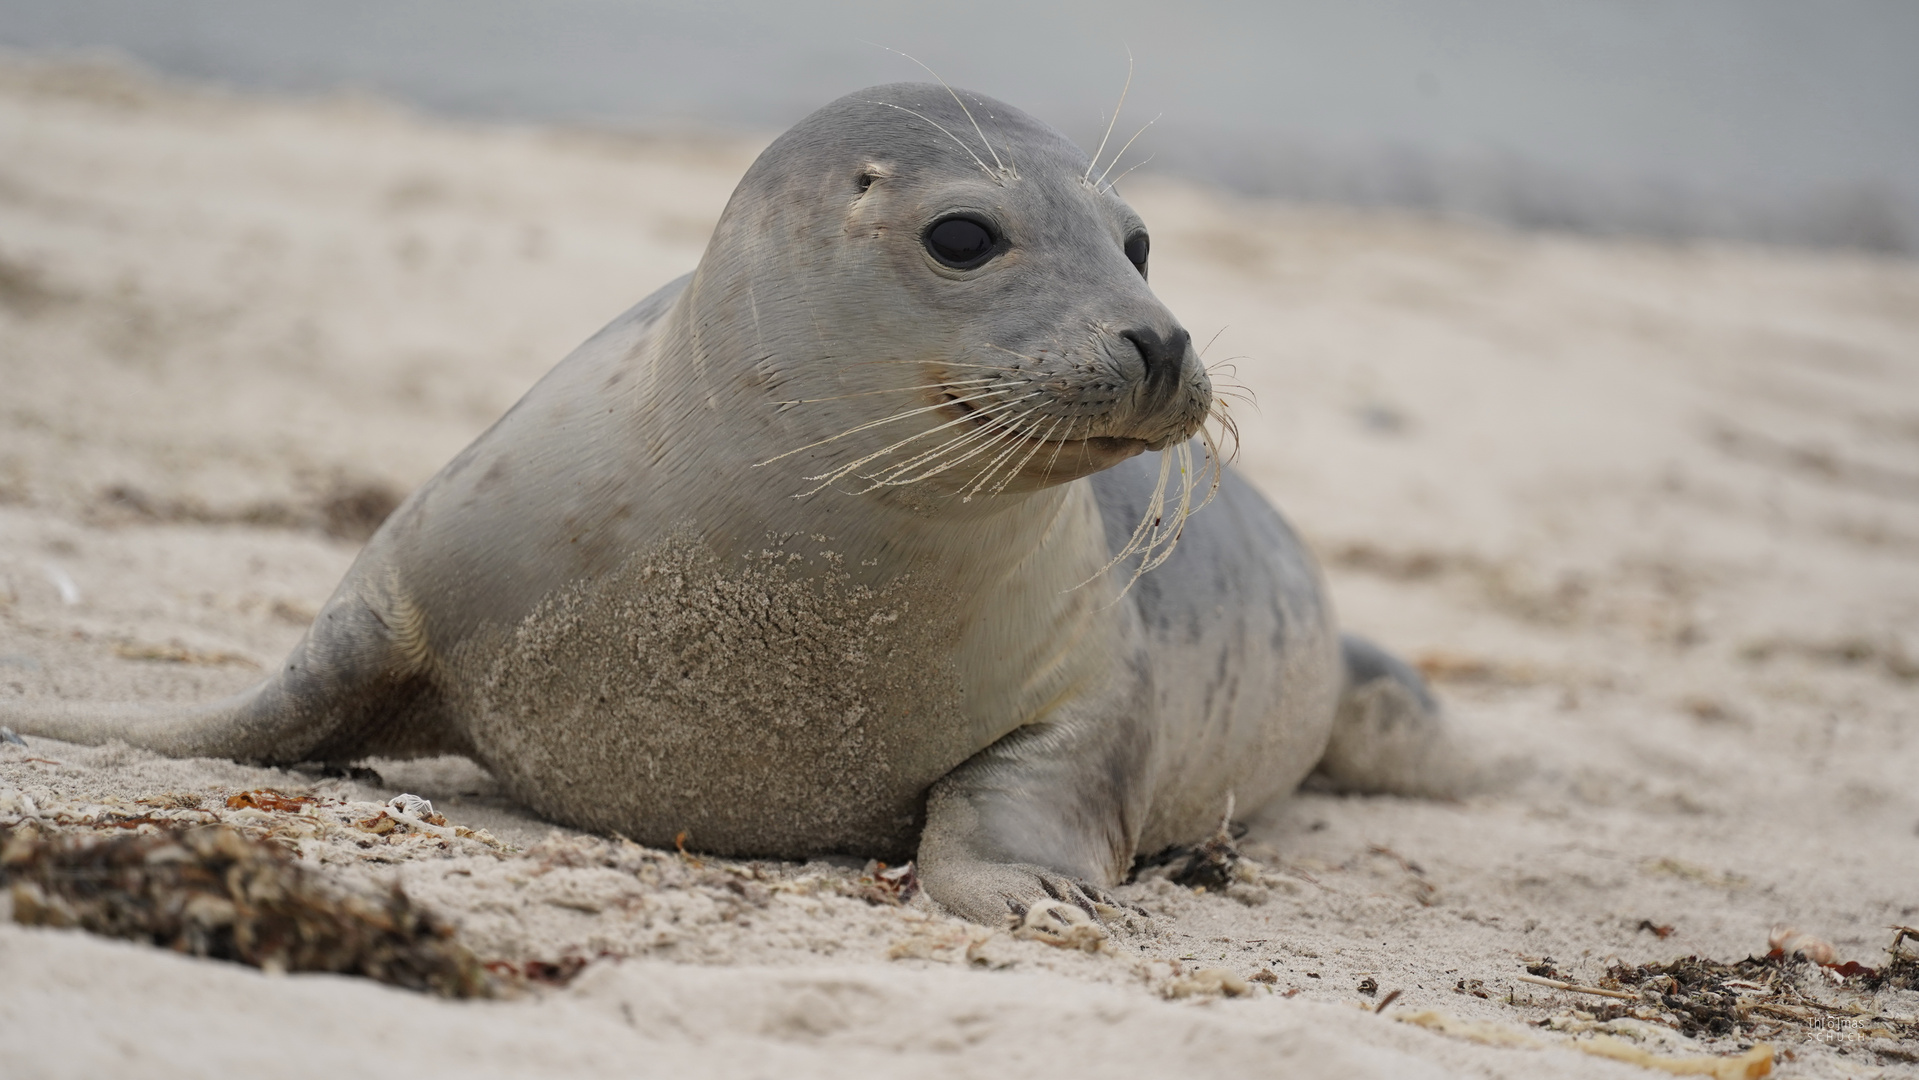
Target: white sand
point(1653, 513)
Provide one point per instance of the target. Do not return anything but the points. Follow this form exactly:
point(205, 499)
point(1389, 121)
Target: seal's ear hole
point(1137, 245)
point(962, 242)
point(866, 181)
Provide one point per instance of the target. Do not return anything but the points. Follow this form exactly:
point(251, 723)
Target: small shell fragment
point(1791, 941)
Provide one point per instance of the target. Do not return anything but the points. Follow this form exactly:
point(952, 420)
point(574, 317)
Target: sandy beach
point(1647, 515)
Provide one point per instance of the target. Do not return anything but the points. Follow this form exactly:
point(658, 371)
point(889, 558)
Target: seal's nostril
point(1165, 358)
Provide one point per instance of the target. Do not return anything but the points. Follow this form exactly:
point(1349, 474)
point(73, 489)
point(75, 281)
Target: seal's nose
point(1165, 358)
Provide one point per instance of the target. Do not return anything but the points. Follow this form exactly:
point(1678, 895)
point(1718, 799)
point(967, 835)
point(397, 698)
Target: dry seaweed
point(1902, 971)
point(1711, 997)
point(881, 884)
point(210, 891)
point(1694, 990)
point(1206, 865)
point(269, 799)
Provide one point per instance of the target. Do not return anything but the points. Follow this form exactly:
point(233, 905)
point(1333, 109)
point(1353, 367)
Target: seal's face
point(954, 306)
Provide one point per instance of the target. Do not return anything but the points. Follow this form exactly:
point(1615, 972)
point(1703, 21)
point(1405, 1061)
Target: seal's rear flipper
point(241, 727)
point(353, 687)
point(1389, 736)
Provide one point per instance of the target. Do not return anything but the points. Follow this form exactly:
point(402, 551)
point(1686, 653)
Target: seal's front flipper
point(1050, 812)
point(1389, 736)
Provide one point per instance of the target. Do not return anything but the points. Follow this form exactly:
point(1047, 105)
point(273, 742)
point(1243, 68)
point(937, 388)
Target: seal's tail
point(1389, 735)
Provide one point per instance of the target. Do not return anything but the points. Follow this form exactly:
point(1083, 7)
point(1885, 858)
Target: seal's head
point(936, 294)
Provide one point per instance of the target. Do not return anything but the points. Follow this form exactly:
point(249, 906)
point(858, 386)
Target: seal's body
point(830, 546)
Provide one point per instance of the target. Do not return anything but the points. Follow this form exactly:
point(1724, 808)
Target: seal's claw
point(1103, 898)
point(988, 892)
point(1080, 894)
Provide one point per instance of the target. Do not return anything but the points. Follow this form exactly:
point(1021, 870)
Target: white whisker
point(1155, 503)
point(957, 384)
point(1013, 437)
point(969, 150)
point(987, 433)
point(956, 100)
point(1129, 171)
point(1002, 368)
point(1057, 447)
point(1122, 152)
point(1094, 164)
point(873, 424)
point(828, 478)
point(985, 437)
point(1039, 444)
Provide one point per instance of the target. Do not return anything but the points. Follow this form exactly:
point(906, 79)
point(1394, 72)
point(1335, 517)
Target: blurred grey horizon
point(1758, 120)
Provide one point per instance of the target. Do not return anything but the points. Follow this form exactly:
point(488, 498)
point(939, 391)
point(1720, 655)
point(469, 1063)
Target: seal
point(874, 534)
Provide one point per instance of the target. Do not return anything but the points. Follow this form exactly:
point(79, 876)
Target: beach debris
point(1790, 941)
point(1750, 1065)
point(1747, 1065)
point(1902, 971)
point(210, 891)
point(416, 814)
point(1658, 930)
point(553, 973)
point(1369, 986)
point(950, 942)
point(270, 800)
point(679, 845)
point(1209, 864)
point(1699, 996)
point(1422, 891)
point(883, 884)
point(1482, 1032)
point(1263, 975)
point(1058, 924)
point(8, 736)
point(1475, 987)
point(1388, 1000)
point(1575, 988)
point(415, 806)
point(1207, 982)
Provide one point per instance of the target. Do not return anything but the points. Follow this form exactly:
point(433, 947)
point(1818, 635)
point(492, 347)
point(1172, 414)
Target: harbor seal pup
point(836, 545)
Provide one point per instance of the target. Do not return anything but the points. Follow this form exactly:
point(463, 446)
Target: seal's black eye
point(1136, 248)
point(961, 242)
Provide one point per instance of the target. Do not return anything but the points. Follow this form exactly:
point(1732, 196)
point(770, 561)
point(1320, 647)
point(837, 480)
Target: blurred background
point(1764, 120)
